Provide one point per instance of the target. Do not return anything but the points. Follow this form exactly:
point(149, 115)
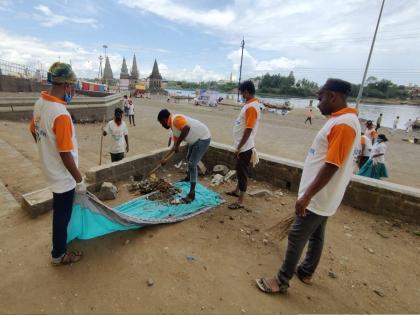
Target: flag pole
point(359, 96)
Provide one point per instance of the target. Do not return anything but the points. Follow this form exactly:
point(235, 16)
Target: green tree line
point(277, 84)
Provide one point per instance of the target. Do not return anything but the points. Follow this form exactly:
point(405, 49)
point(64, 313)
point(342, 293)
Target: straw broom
point(281, 229)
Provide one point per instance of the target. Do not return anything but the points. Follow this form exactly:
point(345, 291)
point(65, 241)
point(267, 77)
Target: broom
point(281, 229)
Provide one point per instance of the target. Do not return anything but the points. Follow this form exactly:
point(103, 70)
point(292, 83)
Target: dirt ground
point(366, 253)
point(375, 260)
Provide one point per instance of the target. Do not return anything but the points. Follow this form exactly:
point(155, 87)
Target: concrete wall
point(15, 84)
point(82, 109)
point(136, 165)
point(371, 195)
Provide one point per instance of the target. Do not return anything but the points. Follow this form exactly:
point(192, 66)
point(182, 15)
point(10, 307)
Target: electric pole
point(240, 67)
point(359, 96)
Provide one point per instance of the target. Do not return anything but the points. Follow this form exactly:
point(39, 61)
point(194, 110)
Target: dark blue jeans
point(62, 208)
point(195, 152)
point(309, 228)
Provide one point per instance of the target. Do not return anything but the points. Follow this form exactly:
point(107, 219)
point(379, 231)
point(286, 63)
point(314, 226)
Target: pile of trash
point(158, 189)
point(222, 174)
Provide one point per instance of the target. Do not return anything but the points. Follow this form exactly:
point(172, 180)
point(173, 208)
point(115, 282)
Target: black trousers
point(62, 208)
point(242, 169)
point(115, 157)
point(309, 119)
point(309, 229)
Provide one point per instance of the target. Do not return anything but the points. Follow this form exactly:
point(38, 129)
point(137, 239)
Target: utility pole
point(240, 68)
point(359, 96)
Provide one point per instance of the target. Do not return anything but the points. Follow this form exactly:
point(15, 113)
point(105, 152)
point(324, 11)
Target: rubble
point(230, 175)
point(220, 169)
point(216, 180)
point(260, 193)
point(202, 169)
point(108, 191)
point(158, 188)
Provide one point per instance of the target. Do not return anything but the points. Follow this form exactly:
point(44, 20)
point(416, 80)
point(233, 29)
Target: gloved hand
point(81, 187)
point(374, 161)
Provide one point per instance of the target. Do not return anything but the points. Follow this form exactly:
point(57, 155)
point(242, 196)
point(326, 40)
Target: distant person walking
point(125, 105)
point(309, 115)
point(375, 166)
point(131, 112)
point(365, 149)
point(395, 125)
point(409, 127)
point(117, 129)
point(370, 132)
point(378, 122)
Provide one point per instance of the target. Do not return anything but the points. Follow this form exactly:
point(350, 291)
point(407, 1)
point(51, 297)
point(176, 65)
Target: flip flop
point(264, 285)
point(232, 193)
point(235, 206)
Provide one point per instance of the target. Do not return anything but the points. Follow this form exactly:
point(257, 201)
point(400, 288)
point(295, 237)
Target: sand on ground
point(375, 259)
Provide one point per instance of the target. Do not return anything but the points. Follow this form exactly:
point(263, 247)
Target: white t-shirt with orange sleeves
point(198, 130)
point(371, 134)
point(249, 117)
point(368, 145)
point(336, 143)
point(55, 133)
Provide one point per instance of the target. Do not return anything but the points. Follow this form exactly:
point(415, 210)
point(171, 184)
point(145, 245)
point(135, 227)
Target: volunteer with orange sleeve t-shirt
point(326, 173)
point(54, 133)
point(244, 131)
point(198, 137)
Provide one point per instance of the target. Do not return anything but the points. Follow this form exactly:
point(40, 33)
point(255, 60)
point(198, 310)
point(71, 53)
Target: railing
point(21, 71)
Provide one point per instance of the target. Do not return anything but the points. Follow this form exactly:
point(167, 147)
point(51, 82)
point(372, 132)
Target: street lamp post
point(240, 68)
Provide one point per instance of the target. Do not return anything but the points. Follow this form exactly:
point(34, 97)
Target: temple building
point(124, 71)
point(108, 77)
point(154, 81)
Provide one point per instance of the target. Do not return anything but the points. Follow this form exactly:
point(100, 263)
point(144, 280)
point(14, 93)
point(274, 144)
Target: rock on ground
point(108, 191)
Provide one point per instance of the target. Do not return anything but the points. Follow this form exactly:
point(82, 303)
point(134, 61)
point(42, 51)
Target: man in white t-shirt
point(395, 125)
point(326, 174)
point(193, 132)
point(244, 131)
point(117, 129)
point(54, 133)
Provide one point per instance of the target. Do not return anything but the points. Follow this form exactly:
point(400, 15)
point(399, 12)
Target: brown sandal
point(67, 259)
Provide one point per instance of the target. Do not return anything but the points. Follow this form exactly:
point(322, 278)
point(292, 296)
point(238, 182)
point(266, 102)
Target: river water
point(367, 111)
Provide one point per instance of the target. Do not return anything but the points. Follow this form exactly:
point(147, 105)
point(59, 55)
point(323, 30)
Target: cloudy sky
point(200, 39)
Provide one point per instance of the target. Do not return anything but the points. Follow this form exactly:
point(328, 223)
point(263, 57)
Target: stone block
point(260, 193)
point(220, 169)
point(108, 191)
point(37, 202)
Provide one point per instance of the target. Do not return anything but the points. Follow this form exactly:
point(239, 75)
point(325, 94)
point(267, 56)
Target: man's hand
point(176, 148)
point(237, 151)
point(127, 148)
point(104, 133)
point(163, 161)
point(81, 187)
point(301, 205)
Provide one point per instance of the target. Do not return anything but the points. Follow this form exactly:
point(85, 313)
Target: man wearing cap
point(54, 133)
point(118, 131)
point(326, 174)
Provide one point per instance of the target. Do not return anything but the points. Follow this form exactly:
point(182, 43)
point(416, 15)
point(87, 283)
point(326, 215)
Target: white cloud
point(170, 10)
point(253, 67)
point(85, 63)
point(196, 74)
point(48, 18)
